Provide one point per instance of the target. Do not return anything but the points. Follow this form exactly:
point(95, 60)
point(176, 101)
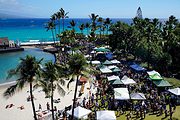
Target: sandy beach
point(20, 99)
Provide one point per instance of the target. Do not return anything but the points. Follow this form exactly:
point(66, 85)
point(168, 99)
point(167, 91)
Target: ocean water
point(10, 60)
point(24, 30)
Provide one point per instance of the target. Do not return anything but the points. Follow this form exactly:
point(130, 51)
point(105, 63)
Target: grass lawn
point(176, 116)
point(173, 81)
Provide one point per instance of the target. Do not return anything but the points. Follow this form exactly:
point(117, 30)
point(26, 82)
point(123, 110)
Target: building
point(139, 13)
point(6, 43)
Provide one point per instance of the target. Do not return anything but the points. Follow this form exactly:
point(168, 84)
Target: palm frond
point(61, 91)
point(61, 81)
point(69, 82)
point(21, 82)
point(10, 91)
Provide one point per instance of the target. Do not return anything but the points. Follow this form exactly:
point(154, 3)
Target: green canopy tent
point(155, 77)
point(162, 83)
point(116, 82)
point(116, 69)
point(107, 62)
point(102, 49)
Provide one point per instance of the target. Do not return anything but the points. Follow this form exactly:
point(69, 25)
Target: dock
point(11, 50)
point(37, 42)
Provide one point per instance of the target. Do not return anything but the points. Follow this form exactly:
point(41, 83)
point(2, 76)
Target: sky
point(83, 8)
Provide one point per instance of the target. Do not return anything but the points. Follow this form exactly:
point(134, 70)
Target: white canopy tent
point(95, 62)
point(113, 77)
point(105, 115)
point(127, 80)
point(137, 96)
point(115, 61)
point(121, 93)
point(79, 112)
point(175, 91)
point(112, 66)
point(153, 72)
point(105, 70)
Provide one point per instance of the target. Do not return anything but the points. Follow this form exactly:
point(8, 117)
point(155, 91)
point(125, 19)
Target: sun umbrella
point(105, 115)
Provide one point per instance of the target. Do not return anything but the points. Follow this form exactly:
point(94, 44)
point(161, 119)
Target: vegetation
point(151, 41)
point(28, 71)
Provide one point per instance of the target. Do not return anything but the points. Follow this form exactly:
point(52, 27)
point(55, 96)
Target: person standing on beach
point(40, 107)
point(48, 106)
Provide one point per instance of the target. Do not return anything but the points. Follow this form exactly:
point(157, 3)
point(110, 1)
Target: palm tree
point(63, 15)
point(87, 25)
point(51, 26)
point(107, 22)
point(93, 18)
point(28, 71)
point(58, 16)
point(81, 27)
point(73, 24)
point(53, 19)
point(77, 65)
point(100, 20)
point(51, 79)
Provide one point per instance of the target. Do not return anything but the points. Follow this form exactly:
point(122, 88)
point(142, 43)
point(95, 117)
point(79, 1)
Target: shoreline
point(7, 84)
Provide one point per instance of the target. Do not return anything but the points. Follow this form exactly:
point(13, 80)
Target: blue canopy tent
point(109, 55)
point(137, 68)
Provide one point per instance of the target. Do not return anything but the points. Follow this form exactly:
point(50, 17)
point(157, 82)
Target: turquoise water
point(10, 60)
point(24, 30)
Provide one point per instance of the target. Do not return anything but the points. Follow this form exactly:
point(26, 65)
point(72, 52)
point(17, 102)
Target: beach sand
point(20, 99)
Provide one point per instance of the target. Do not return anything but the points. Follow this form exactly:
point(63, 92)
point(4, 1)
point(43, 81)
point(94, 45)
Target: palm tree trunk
point(53, 36)
point(74, 100)
point(59, 26)
point(52, 106)
point(63, 23)
point(32, 101)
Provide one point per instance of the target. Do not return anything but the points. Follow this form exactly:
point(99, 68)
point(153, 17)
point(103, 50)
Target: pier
point(37, 42)
point(11, 50)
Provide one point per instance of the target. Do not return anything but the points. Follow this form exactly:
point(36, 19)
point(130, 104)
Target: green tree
point(87, 26)
point(100, 20)
point(64, 15)
point(58, 16)
point(93, 18)
point(81, 27)
point(51, 26)
point(77, 65)
point(51, 76)
point(73, 24)
point(107, 23)
point(28, 71)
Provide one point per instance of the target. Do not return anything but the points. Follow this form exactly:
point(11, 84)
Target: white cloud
point(17, 7)
point(10, 5)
